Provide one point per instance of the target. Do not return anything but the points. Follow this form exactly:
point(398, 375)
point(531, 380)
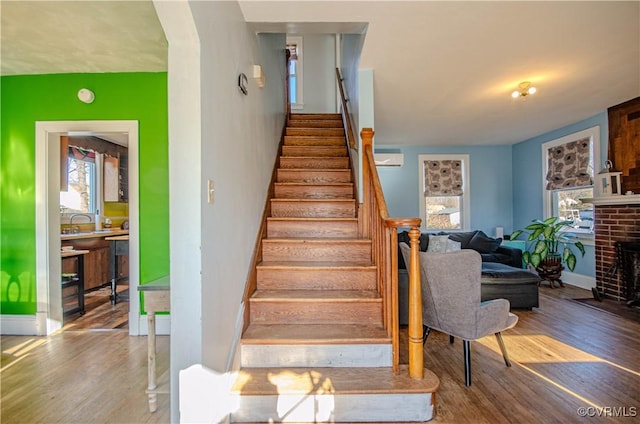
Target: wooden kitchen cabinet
point(96, 262)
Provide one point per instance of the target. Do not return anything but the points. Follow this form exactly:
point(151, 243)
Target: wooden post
point(367, 146)
point(416, 368)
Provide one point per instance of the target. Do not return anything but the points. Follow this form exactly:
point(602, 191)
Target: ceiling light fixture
point(524, 89)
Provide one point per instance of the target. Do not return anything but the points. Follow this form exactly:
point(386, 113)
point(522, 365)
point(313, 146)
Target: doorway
point(49, 314)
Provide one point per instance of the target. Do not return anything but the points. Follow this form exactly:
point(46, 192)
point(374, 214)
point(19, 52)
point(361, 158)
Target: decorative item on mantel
point(609, 181)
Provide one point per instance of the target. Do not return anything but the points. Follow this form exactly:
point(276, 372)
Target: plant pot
point(550, 269)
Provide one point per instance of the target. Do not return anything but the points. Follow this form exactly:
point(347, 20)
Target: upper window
point(444, 192)
point(568, 165)
point(81, 195)
point(294, 45)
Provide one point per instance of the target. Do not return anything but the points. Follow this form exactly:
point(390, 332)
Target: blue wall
point(527, 178)
point(506, 181)
point(490, 184)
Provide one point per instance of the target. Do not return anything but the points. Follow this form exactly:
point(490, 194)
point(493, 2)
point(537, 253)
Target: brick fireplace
point(615, 220)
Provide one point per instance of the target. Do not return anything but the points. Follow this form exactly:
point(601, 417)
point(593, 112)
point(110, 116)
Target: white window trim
point(547, 197)
point(466, 187)
point(299, 71)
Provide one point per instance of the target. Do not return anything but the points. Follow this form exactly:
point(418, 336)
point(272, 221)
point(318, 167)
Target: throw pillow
point(453, 246)
point(482, 243)
point(437, 244)
point(463, 237)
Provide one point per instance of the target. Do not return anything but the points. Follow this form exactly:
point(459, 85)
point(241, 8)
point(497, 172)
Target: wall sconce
point(609, 181)
point(86, 96)
point(524, 89)
point(258, 75)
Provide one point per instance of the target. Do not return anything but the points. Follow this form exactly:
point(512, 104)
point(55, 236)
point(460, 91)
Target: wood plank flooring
point(565, 356)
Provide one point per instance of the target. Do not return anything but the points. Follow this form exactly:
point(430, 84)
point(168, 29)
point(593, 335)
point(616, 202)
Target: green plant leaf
point(515, 234)
point(550, 220)
point(549, 232)
point(526, 257)
point(536, 233)
point(535, 226)
point(571, 262)
point(535, 259)
point(540, 247)
point(580, 247)
point(566, 253)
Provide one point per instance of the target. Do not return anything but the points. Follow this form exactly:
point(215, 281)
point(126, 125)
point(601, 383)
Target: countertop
point(70, 253)
point(94, 234)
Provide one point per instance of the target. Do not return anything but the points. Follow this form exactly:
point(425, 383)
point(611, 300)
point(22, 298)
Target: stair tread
point(314, 200)
point(310, 220)
point(318, 240)
point(314, 334)
point(306, 184)
point(345, 266)
point(333, 381)
point(316, 170)
point(312, 295)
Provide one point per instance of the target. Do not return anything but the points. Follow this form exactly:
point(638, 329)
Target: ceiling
point(443, 71)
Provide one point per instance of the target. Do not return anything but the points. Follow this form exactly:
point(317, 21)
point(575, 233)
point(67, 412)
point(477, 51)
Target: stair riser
point(314, 141)
point(314, 116)
point(308, 176)
point(315, 163)
point(295, 228)
point(295, 251)
point(313, 192)
point(334, 355)
point(326, 279)
point(319, 209)
point(335, 407)
point(316, 312)
point(314, 123)
point(326, 151)
point(321, 132)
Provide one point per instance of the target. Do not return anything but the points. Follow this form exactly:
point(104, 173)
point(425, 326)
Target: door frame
point(49, 316)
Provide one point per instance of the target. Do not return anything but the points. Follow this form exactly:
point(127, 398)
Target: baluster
point(416, 368)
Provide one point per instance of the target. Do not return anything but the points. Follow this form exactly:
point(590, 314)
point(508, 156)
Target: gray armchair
point(451, 300)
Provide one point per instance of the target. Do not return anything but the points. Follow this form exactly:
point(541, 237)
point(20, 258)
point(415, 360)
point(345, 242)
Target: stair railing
point(346, 118)
point(383, 232)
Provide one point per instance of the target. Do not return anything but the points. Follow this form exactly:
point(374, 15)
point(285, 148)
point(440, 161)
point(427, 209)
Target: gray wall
point(319, 81)
point(218, 134)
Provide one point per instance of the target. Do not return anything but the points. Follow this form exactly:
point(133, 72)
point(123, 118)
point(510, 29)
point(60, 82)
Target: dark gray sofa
point(489, 248)
point(502, 273)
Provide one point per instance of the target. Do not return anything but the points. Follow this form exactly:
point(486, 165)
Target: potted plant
point(546, 238)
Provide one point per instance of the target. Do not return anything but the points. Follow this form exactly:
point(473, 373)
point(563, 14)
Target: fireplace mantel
point(633, 199)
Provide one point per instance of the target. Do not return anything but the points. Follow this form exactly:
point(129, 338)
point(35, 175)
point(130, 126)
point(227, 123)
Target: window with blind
point(81, 193)
point(568, 165)
point(444, 192)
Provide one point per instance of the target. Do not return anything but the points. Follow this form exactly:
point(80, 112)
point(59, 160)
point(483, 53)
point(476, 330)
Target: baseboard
point(578, 280)
point(18, 325)
point(163, 325)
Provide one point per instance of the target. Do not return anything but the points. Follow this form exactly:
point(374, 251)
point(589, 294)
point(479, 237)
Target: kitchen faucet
point(73, 216)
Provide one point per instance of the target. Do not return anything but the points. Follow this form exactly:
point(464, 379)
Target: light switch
point(210, 191)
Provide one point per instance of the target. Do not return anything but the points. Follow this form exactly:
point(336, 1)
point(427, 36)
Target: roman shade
point(569, 165)
point(443, 178)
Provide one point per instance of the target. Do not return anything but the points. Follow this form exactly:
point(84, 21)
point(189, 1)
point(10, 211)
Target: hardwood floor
point(100, 314)
point(565, 356)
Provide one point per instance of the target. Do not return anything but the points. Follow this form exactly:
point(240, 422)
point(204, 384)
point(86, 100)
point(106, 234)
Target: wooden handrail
point(376, 224)
point(346, 118)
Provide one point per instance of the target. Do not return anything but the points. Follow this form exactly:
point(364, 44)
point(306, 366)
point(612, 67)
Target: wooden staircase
point(316, 348)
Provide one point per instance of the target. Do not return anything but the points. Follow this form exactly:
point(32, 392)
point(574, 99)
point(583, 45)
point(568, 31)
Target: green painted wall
point(26, 99)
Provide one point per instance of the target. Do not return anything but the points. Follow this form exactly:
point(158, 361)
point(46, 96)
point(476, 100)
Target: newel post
point(416, 368)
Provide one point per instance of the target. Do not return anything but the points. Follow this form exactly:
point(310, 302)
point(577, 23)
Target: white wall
point(218, 134)
point(319, 80)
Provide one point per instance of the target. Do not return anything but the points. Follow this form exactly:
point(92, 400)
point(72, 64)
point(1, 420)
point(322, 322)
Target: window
point(444, 192)
point(568, 165)
point(81, 196)
point(294, 45)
